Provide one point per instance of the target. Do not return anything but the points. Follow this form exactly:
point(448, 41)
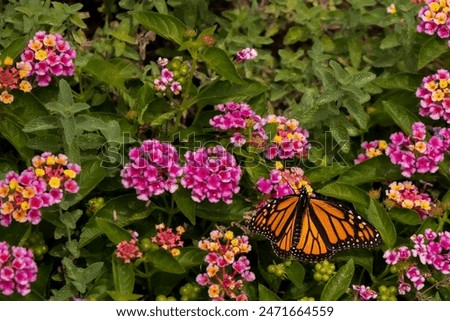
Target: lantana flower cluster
point(434, 94)
point(372, 149)
point(153, 169)
point(246, 125)
point(432, 250)
point(169, 78)
point(415, 153)
point(169, 240)
point(289, 141)
point(246, 54)
point(211, 173)
point(48, 55)
point(434, 18)
point(23, 195)
point(17, 269)
point(363, 292)
point(11, 78)
point(228, 269)
point(283, 182)
point(129, 250)
point(407, 195)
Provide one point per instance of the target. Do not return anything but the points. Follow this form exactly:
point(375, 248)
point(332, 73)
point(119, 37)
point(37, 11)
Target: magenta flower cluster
point(364, 292)
point(282, 182)
point(415, 153)
point(246, 54)
point(432, 249)
point(407, 195)
point(434, 94)
point(372, 149)
point(211, 173)
point(153, 169)
point(47, 55)
point(17, 269)
point(434, 19)
point(23, 195)
point(228, 269)
point(289, 140)
point(166, 79)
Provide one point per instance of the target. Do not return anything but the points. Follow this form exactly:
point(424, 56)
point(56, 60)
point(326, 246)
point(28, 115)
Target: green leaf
point(377, 215)
point(345, 192)
point(42, 123)
point(15, 48)
point(221, 91)
point(221, 212)
point(431, 50)
point(376, 169)
point(217, 59)
point(123, 210)
point(338, 283)
point(69, 219)
point(191, 257)
point(324, 173)
point(356, 110)
point(296, 273)
point(339, 73)
point(65, 96)
point(401, 116)
point(6, 166)
point(92, 173)
point(15, 135)
point(185, 203)
point(164, 261)
point(267, 295)
point(123, 276)
point(405, 216)
point(114, 232)
point(390, 41)
point(355, 50)
point(406, 81)
point(113, 72)
point(163, 25)
point(339, 130)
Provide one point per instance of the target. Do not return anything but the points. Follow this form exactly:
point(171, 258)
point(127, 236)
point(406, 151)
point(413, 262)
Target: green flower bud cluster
point(387, 293)
point(190, 292)
point(323, 271)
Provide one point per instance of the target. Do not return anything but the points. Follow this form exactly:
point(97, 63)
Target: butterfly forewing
point(312, 229)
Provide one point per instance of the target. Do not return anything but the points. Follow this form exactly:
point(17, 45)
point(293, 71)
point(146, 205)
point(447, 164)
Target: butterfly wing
point(278, 221)
point(327, 228)
point(312, 229)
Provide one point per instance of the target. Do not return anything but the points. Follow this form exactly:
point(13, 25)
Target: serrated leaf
point(65, 96)
point(49, 143)
point(345, 192)
point(339, 131)
point(164, 261)
point(431, 50)
point(165, 26)
point(401, 116)
point(42, 123)
point(355, 51)
point(356, 110)
point(217, 59)
point(114, 232)
point(182, 198)
point(296, 274)
point(405, 216)
point(340, 74)
point(338, 283)
point(220, 91)
point(267, 295)
point(123, 276)
point(376, 169)
point(406, 81)
point(390, 41)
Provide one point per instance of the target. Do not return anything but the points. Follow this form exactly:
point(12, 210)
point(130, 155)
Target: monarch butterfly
point(312, 229)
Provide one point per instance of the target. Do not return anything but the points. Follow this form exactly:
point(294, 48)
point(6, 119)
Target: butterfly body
point(312, 229)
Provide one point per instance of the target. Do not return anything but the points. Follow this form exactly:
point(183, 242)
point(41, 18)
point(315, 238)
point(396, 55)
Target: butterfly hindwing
point(312, 229)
